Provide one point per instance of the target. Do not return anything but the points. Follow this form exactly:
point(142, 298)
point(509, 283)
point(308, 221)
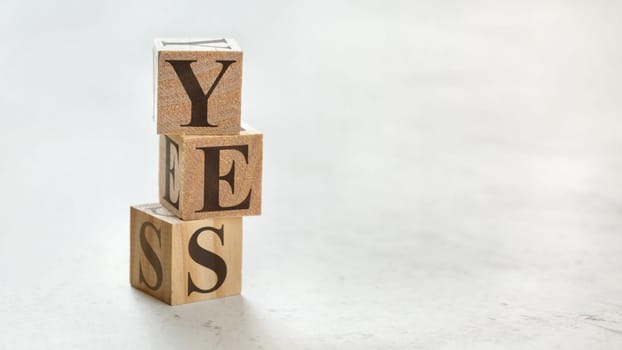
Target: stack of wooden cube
point(188, 247)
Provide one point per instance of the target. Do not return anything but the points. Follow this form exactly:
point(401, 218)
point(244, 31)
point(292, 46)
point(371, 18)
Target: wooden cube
point(211, 176)
point(184, 261)
point(198, 86)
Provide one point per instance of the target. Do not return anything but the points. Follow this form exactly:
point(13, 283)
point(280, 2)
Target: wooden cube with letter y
point(211, 176)
point(184, 261)
point(198, 86)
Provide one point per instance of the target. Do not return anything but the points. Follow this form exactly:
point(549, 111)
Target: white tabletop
point(437, 175)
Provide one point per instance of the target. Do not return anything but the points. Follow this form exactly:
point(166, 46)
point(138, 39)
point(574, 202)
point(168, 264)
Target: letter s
point(151, 256)
point(208, 259)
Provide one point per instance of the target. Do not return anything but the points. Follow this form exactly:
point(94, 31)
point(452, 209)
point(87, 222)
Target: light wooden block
point(211, 176)
point(184, 261)
point(198, 86)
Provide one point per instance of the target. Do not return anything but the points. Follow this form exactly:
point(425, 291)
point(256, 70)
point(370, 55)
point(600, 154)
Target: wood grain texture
point(170, 240)
point(172, 104)
point(186, 190)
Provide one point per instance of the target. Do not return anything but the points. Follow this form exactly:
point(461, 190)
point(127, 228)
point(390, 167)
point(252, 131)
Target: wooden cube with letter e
point(198, 86)
point(211, 176)
point(184, 261)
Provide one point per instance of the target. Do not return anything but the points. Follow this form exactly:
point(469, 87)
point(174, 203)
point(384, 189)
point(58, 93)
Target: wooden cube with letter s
point(184, 261)
point(211, 175)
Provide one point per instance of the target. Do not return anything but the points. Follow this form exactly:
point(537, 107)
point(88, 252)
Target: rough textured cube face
point(184, 261)
point(198, 86)
point(210, 176)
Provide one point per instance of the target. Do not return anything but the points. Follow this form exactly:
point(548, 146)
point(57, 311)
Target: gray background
point(438, 175)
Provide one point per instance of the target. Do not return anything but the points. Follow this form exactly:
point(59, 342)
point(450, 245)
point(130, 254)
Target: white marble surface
point(438, 175)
